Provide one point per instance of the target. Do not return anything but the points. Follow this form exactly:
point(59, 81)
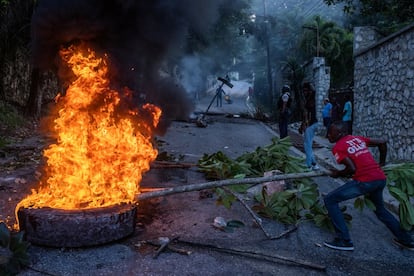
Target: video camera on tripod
point(224, 81)
point(219, 91)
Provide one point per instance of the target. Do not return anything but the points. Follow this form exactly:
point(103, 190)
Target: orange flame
point(102, 150)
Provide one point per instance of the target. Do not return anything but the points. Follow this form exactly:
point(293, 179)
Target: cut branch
point(281, 235)
point(228, 182)
point(169, 165)
point(257, 218)
point(252, 213)
point(255, 255)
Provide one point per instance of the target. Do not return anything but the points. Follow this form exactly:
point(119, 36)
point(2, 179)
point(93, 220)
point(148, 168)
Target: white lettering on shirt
point(356, 146)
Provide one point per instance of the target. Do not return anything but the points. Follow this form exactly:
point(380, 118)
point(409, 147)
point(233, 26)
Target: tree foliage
point(321, 38)
point(389, 15)
point(295, 74)
point(327, 39)
point(15, 16)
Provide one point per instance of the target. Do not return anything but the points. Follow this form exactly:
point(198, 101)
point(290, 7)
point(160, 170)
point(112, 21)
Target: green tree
point(342, 66)
point(327, 39)
point(15, 16)
point(388, 15)
point(295, 75)
point(321, 38)
point(276, 37)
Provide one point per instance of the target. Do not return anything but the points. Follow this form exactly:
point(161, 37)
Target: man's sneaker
point(404, 245)
point(340, 244)
point(315, 167)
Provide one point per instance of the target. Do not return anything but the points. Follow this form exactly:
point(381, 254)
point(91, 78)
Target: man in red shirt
point(368, 179)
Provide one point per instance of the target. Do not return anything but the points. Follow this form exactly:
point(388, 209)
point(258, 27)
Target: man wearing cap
point(284, 111)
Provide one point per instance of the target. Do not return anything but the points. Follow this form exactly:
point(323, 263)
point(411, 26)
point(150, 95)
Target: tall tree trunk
point(2, 70)
point(34, 103)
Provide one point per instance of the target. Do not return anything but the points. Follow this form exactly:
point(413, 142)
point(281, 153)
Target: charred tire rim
point(77, 228)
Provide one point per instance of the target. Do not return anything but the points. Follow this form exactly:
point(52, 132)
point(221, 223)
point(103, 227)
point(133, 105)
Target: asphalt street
point(188, 217)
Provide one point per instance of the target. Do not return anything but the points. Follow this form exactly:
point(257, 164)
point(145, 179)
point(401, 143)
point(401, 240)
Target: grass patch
point(10, 119)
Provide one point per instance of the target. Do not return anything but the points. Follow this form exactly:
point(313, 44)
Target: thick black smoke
point(138, 36)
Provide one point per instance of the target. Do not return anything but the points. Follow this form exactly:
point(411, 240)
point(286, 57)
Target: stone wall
point(384, 89)
point(319, 75)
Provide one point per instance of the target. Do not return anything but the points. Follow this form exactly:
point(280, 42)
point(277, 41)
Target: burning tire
point(77, 228)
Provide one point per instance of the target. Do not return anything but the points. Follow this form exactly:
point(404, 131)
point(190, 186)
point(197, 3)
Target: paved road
point(190, 217)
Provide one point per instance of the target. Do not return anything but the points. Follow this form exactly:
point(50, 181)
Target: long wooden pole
point(253, 254)
point(227, 182)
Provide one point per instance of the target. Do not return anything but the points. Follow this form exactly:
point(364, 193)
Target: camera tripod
point(219, 91)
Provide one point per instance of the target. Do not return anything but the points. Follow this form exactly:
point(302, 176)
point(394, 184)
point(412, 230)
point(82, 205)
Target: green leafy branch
point(252, 164)
point(400, 183)
point(13, 251)
point(290, 206)
point(287, 206)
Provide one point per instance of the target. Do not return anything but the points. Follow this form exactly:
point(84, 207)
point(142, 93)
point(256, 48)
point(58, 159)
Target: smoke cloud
point(138, 36)
point(191, 74)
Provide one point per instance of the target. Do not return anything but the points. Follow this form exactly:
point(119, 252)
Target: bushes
point(10, 119)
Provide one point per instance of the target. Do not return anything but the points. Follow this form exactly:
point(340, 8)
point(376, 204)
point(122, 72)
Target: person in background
point(284, 111)
point(336, 110)
point(310, 124)
point(219, 101)
point(327, 114)
point(368, 179)
point(347, 113)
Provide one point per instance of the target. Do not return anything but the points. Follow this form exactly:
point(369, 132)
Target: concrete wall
point(384, 89)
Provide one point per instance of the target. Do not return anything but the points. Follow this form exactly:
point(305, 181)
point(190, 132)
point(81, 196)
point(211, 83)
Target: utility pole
point(316, 29)
point(267, 45)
